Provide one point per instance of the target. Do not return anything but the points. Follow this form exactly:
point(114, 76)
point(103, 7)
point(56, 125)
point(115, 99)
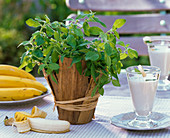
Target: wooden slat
point(137, 24)
point(119, 5)
point(137, 43)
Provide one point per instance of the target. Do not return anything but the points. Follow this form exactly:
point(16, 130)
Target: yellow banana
point(12, 94)
point(9, 70)
point(16, 82)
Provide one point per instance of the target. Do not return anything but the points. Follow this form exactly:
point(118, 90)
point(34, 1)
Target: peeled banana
point(36, 122)
point(8, 70)
point(49, 126)
point(12, 94)
point(18, 82)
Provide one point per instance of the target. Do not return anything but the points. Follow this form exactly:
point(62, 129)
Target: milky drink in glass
point(159, 55)
point(143, 91)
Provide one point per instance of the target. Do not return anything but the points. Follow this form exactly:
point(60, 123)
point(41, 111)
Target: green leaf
point(103, 36)
point(80, 16)
point(24, 43)
point(75, 60)
point(47, 19)
point(136, 70)
point(116, 34)
point(121, 43)
point(32, 23)
point(54, 56)
point(84, 50)
point(101, 91)
point(79, 67)
point(52, 77)
point(86, 28)
point(108, 49)
point(54, 66)
point(93, 56)
point(56, 36)
point(41, 67)
point(64, 30)
point(78, 32)
point(23, 56)
point(97, 20)
point(94, 91)
point(71, 41)
point(69, 19)
point(94, 30)
point(24, 63)
point(108, 60)
point(115, 83)
point(62, 58)
point(37, 53)
point(123, 56)
point(119, 23)
point(46, 51)
point(49, 31)
point(29, 67)
point(132, 53)
point(40, 40)
point(84, 44)
point(93, 72)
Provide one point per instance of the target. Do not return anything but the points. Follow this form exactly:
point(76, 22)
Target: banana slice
point(49, 126)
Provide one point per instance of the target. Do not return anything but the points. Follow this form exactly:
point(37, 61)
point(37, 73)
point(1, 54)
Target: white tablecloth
point(114, 102)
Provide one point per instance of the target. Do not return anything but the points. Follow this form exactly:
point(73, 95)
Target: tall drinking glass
point(143, 90)
point(159, 55)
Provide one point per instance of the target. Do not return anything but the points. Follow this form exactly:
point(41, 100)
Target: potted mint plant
point(75, 68)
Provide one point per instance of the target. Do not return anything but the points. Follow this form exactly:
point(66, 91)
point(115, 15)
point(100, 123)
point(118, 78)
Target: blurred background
point(13, 30)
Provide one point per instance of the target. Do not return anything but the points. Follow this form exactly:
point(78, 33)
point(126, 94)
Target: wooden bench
point(154, 21)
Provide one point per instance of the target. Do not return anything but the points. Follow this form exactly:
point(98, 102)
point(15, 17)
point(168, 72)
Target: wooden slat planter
point(71, 86)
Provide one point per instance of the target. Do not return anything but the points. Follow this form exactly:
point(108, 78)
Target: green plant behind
point(55, 41)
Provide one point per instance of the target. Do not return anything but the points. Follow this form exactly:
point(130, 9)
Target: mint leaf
point(54, 66)
point(32, 23)
point(62, 58)
point(41, 67)
point(97, 20)
point(95, 30)
point(86, 28)
point(71, 41)
point(132, 53)
point(121, 43)
point(101, 91)
point(119, 23)
point(40, 40)
point(108, 49)
point(93, 56)
point(37, 53)
point(123, 56)
point(115, 83)
point(78, 32)
point(79, 67)
point(49, 31)
point(136, 70)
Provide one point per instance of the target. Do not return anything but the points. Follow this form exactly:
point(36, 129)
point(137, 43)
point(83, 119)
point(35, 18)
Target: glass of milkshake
point(143, 81)
point(159, 55)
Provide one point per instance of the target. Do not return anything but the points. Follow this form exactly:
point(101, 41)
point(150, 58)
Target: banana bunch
point(36, 122)
point(17, 84)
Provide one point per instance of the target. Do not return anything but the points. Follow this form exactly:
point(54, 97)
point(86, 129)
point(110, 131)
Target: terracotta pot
point(71, 86)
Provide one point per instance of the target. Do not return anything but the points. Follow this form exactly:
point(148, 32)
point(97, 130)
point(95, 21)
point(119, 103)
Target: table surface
point(116, 100)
